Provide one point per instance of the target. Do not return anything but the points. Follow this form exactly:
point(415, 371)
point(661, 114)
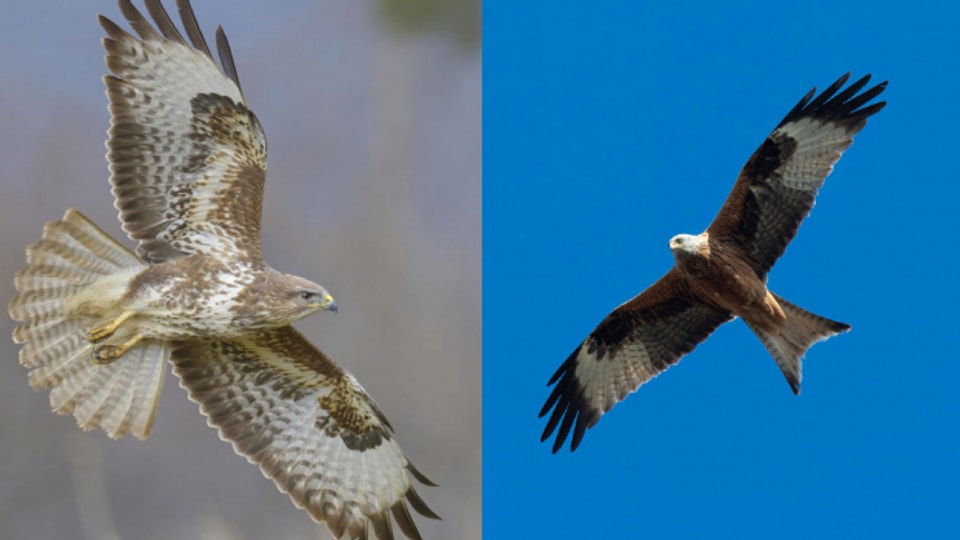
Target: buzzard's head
point(295, 297)
point(685, 245)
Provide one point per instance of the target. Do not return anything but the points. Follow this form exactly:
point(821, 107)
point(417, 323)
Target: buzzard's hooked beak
point(327, 304)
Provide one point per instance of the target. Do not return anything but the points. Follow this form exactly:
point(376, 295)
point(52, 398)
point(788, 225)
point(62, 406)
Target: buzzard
point(721, 273)
point(188, 163)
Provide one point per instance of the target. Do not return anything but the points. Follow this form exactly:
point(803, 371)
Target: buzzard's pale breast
point(190, 296)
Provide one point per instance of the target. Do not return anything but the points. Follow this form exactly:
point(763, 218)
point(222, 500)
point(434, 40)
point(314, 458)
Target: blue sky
point(610, 127)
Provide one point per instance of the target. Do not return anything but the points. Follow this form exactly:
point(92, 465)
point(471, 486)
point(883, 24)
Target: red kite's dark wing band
point(778, 185)
point(632, 345)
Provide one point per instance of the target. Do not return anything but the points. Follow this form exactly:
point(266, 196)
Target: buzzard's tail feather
point(797, 334)
point(120, 397)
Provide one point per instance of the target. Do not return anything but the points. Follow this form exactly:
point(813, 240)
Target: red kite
point(721, 273)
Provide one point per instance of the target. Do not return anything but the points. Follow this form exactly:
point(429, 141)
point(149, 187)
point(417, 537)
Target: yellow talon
point(103, 332)
point(105, 354)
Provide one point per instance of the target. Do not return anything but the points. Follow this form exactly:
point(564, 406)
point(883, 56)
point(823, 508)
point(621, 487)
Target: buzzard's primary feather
point(721, 273)
point(187, 167)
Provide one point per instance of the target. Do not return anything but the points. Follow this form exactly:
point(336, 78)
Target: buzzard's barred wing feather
point(187, 158)
point(632, 345)
point(193, 29)
point(778, 185)
point(309, 425)
point(226, 57)
point(164, 23)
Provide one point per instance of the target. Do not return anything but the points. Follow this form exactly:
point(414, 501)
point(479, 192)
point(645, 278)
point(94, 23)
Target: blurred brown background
point(372, 111)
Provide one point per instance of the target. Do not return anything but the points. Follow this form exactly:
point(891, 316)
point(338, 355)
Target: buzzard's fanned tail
point(797, 334)
point(119, 397)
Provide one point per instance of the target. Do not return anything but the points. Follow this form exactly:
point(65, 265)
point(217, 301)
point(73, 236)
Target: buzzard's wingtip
point(420, 476)
point(110, 27)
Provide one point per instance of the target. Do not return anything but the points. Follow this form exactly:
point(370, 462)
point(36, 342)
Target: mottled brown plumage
point(275, 380)
point(721, 273)
point(187, 167)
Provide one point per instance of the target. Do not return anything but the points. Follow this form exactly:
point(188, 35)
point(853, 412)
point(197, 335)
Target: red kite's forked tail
point(796, 334)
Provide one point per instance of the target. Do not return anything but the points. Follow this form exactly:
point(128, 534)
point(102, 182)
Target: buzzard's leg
point(104, 354)
point(101, 333)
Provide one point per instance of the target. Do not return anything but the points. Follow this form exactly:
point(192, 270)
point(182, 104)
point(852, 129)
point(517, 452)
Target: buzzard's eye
point(306, 296)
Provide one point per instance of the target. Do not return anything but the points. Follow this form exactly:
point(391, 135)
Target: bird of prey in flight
point(98, 322)
point(721, 273)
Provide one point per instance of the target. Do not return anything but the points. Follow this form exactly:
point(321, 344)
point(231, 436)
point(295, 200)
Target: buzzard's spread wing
point(777, 187)
point(187, 158)
point(309, 425)
point(632, 345)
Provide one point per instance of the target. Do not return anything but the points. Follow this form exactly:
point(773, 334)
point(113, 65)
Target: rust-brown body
point(718, 275)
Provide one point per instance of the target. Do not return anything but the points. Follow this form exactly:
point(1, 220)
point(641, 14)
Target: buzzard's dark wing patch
point(310, 427)
point(778, 185)
point(632, 345)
